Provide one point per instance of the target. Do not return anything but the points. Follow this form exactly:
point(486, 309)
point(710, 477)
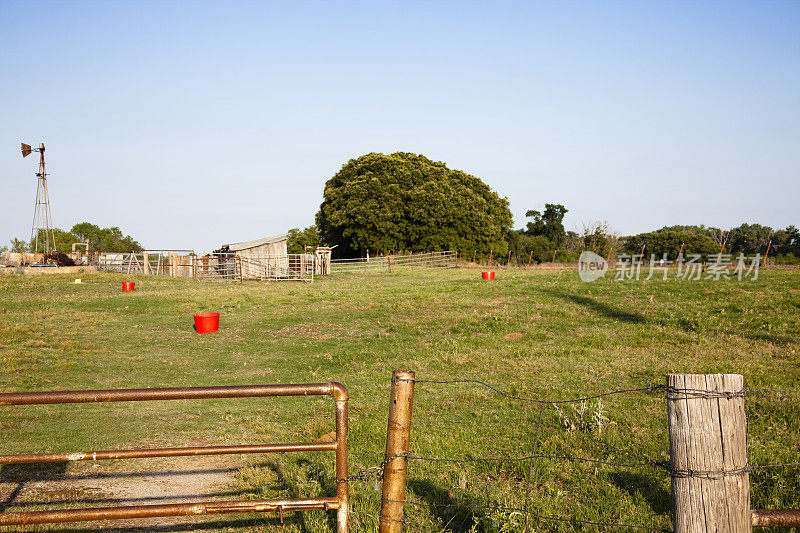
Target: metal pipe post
point(342, 486)
point(398, 440)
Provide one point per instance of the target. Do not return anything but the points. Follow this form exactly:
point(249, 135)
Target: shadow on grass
point(600, 308)
point(289, 481)
point(216, 525)
point(453, 516)
point(658, 498)
point(24, 473)
point(778, 340)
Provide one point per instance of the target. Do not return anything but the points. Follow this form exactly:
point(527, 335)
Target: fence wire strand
point(647, 388)
point(671, 393)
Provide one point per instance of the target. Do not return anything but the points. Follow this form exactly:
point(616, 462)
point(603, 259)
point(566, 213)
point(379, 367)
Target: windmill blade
point(26, 149)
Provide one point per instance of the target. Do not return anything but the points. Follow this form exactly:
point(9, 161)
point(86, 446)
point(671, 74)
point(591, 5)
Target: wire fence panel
point(126, 263)
point(278, 267)
point(217, 267)
point(155, 263)
point(265, 267)
point(390, 263)
point(482, 506)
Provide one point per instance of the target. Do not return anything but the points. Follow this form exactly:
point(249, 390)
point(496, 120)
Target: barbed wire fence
point(375, 473)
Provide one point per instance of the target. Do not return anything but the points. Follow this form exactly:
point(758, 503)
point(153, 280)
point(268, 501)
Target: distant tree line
point(100, 239)
point(406, 202)
point(747, 239)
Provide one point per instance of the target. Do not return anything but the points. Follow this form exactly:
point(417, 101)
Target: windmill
point(42, 222)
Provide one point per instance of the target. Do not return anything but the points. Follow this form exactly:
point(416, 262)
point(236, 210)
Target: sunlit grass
point(531, 333)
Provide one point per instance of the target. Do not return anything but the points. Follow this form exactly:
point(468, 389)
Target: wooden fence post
point(708, 450)
point(398, 439)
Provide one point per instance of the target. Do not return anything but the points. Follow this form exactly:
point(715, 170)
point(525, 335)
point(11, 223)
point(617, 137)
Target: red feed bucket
point(487, 275)
point(127, 286)
point(206, 322)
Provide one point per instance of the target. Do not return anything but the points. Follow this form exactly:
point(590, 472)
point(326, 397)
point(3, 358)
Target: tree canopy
point(405, 201)
point(105, 239)
point(668, 242)
point(549, 224)
point(100, 239)
point(300, 239)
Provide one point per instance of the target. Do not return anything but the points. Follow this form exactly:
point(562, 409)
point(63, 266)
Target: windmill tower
point(41, 230)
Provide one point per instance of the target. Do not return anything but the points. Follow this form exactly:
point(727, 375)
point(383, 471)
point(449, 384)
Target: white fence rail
point(390, 263)
point(133, 263)
point(277, 267)
point(286, 267)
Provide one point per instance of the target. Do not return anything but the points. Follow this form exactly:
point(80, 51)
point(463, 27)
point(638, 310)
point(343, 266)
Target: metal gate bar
point(339, 503)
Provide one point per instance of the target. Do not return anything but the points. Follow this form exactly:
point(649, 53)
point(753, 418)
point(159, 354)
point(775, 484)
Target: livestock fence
point(708, 465)
point(212, 267)
point(338, 503)
point(150, 262)
point(390, 263)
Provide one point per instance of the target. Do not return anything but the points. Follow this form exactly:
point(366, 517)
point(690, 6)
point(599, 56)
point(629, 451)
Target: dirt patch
point(181, 480)
point(515, 335)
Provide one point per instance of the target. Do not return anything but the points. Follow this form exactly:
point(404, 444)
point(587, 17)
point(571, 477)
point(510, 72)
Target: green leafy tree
point(667, 241)
point(749, 239)
point(597, 237)
point(407, 202)
point(63, 240)
point(717, 235)
point(523, 246)
point(550, 224)
point(300, 239)
point(104, 239)
point(19, 246)
point(786, 242)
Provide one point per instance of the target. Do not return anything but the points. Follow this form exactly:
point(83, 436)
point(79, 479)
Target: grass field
point(536, 333)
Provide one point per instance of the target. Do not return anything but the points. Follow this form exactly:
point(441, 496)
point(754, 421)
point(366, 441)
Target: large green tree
point(100, 239)
point(668, 241)
point(105, 239)
point(302, 240)
point(407, 202)
point(549, 224)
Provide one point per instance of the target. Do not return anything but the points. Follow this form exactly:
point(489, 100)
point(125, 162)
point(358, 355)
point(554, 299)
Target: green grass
point(577, 339)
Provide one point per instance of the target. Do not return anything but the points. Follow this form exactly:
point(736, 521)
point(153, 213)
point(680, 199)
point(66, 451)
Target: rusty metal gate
point(338, 503)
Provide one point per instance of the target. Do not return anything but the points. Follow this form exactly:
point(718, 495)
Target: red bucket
point(487, 275)
point(206, 322)
point(127, 286)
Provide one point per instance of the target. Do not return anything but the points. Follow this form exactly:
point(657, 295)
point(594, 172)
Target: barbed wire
point(671, 392)
point(775, 465)
point(656, 464)
point(772, 391)
point(376, 472)
point(647, 388)
point(373, 472)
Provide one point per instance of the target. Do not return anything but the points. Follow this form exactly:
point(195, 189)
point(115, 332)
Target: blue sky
point(192, 124)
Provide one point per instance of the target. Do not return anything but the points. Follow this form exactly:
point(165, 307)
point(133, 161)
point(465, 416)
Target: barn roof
point(239, 246)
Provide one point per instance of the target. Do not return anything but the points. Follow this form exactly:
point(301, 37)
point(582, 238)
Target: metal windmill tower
point(42, 222)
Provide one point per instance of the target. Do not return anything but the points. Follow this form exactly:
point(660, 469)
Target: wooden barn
point(265, 258)
point(267, 246)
